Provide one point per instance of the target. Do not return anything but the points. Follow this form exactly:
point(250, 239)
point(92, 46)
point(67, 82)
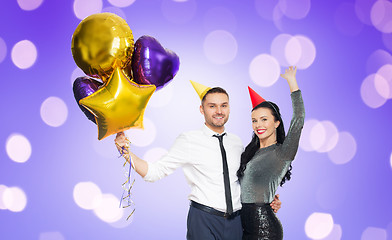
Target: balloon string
point(127, 185)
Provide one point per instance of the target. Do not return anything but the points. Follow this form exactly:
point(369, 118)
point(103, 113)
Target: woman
point(266, 162)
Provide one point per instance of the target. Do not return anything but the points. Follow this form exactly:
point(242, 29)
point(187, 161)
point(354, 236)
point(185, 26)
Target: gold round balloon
point(102, 42)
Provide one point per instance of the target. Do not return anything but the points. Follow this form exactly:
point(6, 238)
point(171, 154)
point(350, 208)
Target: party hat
point(255, 98)
point(201, 90)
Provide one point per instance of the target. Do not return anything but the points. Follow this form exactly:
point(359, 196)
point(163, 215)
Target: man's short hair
point(214, 90)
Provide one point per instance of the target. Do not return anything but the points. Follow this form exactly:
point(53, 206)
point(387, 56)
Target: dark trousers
point(205, 226)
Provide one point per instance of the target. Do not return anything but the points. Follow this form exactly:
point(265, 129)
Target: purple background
point(356, 193)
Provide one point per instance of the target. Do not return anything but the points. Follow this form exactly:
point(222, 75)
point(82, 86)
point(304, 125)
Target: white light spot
point(87, 195)
point(308, 52)
point(118, 11)
point(381, 16)
point(278, 47)
point(154, 154)
point(295, 9)
point(370, 90)
point(336, 233)
point(346, 20)
point(264, 70)
point(51, 236)
point(386, 73)
point(18, 148)
point(317, 136)
point(2, 189)
point(372, 233)
point(54, 111)
point(85, 8)
point(293, 51)
point(345, 149)
point(24, 54)
point(14, 199)
point(142, 137)
point(305, 140)
point(3, 50)
point(319, 225)
point(377, 59)
point(179, 12)
point(29, 5)
point(121, 3)
point(77, 72)
point(109, 210)
point(265, 8)
point(362, 10)
point(331, 137)
point(220, 47)
point(162, 97)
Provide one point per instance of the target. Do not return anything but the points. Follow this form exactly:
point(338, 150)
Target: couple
point(219, 207)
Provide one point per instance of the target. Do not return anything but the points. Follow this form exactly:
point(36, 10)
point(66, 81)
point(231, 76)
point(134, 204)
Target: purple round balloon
point(83, 87)
point(152, 64)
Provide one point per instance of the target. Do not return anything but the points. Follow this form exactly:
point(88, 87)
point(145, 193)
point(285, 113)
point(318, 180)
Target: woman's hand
point(290, 76)
point(276, 204)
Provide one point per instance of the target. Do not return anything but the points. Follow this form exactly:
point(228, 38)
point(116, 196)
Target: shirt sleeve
point(291, 142)
point(175, 158)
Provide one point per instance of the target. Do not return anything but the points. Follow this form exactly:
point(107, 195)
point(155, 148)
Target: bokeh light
point(87, 195)
point(265, 8)
point(84, 8)
point(14, 199)
point(295, 9)
point(278, 48)
point(29, 5)
point(386, 74)
point(220, 47)
point(3, 50)
point(372, 233)
point(264, 70)
point(305, 142)
point(2, 189)
point(336, 233)
point(24, 54)
point(51, 236)
point(331, 137)
point(362, 10)
point(108, 210)
point(344, 150)
point(370, 90)
point(319, 225)
point(377, 59)
point(121, 3)
point(54, 111)
point(18, 148)
point(142, 137)
point(381, 16)
point(300, 51)
point(317, 136)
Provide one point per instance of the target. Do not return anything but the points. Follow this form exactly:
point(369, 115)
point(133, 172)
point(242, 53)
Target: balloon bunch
point(121, 76)
point(103, 47)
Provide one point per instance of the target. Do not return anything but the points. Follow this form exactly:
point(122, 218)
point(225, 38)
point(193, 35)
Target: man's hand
point(276, 204)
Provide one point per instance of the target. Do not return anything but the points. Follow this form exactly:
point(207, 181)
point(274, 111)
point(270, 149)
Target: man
point(203, 155)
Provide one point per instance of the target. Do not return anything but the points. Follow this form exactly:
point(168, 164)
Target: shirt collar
point(206, 130)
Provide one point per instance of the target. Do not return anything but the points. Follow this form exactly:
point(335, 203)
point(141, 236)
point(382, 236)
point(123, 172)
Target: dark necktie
point(229, 204)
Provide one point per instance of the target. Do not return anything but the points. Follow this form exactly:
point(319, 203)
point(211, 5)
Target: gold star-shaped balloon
point(119, 104)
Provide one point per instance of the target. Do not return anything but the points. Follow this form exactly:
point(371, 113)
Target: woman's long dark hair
point(254, 144)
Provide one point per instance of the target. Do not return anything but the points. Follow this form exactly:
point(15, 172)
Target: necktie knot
point(220, 137)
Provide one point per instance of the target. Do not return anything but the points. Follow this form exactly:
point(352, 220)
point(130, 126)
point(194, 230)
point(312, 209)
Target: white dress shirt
point(199, 155)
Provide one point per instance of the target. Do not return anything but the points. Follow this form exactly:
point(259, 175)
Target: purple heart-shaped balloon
point(152, 64)
point(83, 87)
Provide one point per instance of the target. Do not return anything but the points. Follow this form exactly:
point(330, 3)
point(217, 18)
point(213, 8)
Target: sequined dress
point(262, 176)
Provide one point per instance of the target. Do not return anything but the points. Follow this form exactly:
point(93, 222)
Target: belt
point(213, 211)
